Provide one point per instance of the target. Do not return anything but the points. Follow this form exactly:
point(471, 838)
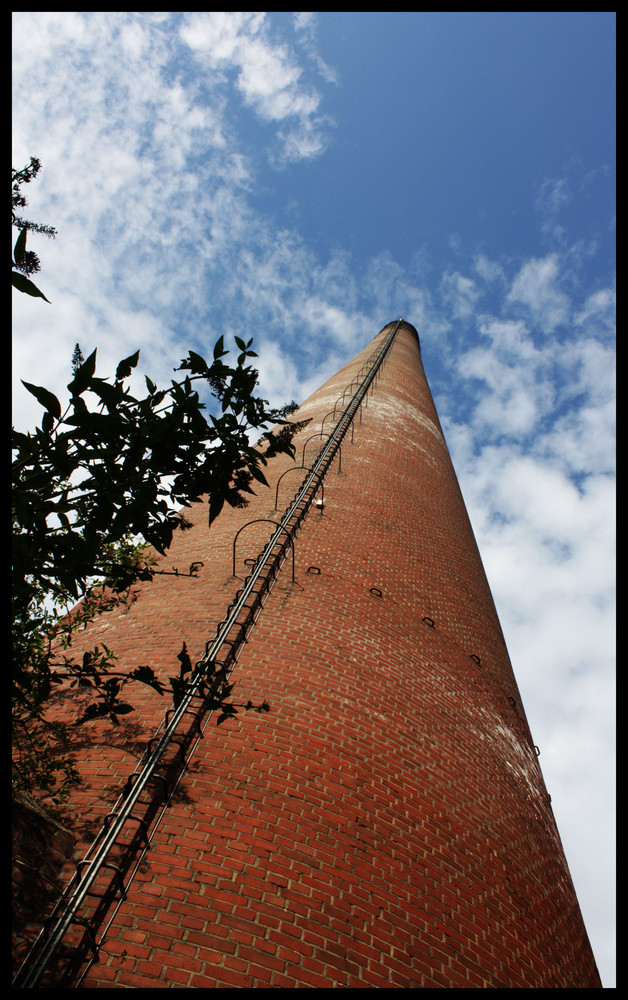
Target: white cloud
point(278, 373)
point(488, 270)
point(553, 195)
point(305, 23)
point(536, 286)
point(144, 179)
point(460, 294)
point(583, 442)
point(514, 394)
point(268, 78)
point(598, 312)
point(219, 34)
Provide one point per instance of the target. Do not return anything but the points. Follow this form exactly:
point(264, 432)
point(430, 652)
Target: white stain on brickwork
point(518, 758)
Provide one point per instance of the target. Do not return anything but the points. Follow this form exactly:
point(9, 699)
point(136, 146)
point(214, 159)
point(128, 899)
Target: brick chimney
point(381, 820)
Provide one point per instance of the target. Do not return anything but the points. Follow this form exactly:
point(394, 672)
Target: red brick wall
point(386, 823)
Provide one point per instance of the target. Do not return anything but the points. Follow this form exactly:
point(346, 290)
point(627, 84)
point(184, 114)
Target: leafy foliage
point(18, 200)
point(96, 487)
point(24, 261)
point(77, 358)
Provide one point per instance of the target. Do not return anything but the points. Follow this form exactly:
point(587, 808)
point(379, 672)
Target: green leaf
point(219, 348)
point(20, 247)
point(199, 365)
point(125, 367)
point(47, 399)
point(135, 456)
point(82, 378)
point(24, 284)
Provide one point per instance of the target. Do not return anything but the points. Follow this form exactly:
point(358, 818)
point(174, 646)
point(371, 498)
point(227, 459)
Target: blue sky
point(305, 178)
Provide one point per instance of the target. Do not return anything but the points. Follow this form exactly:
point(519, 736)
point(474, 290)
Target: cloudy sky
point(305, 178)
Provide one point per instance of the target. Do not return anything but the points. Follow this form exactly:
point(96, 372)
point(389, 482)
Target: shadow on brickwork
point(46, 853)
point(41, 849)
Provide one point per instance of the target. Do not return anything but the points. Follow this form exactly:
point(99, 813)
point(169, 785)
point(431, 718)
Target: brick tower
point(385, 823)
